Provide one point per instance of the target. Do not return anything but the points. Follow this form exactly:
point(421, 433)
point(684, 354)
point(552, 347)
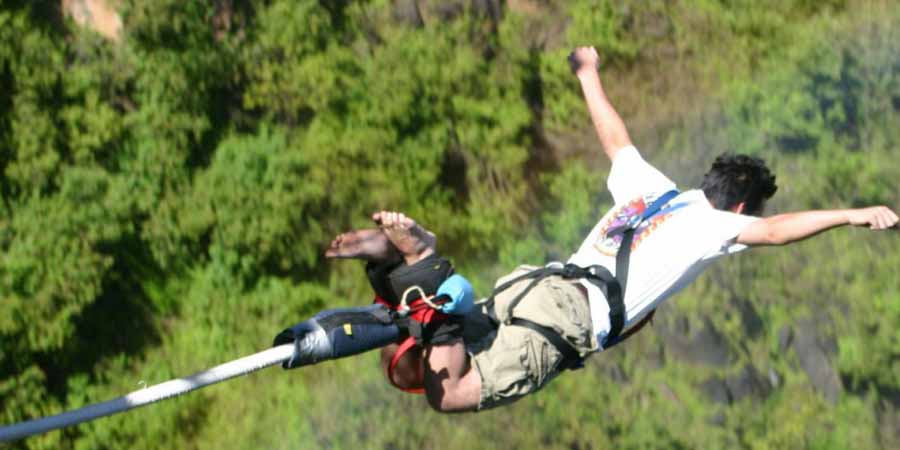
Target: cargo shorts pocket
point(575, 322)
point(543, 360)
point(518, 363)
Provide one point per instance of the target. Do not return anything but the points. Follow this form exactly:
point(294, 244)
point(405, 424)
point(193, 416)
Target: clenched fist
point(583, 58)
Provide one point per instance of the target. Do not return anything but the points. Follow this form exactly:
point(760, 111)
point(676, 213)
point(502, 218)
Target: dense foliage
point(166, 200)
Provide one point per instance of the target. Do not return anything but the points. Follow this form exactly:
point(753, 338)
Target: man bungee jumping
point(541, 321)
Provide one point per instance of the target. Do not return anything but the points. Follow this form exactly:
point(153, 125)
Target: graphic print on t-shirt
point(609, 245)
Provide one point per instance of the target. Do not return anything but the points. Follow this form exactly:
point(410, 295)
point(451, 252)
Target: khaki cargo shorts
point(515, 361)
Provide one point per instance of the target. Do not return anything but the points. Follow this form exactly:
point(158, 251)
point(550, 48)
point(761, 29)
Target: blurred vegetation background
point(168, 188)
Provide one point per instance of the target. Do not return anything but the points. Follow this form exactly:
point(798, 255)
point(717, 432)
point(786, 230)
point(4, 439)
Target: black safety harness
point(613, 287)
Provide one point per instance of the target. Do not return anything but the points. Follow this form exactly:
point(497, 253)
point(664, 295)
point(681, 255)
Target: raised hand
point(583, 58)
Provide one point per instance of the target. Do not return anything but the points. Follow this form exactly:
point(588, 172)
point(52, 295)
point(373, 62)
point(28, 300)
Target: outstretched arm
point(609, 126)
point(792, 227)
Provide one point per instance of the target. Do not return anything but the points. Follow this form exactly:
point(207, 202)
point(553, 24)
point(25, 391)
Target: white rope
point(150, 394)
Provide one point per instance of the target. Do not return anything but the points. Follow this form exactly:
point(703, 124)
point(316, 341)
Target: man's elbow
point(774, 236)
point(777, 239)
point(767, 234)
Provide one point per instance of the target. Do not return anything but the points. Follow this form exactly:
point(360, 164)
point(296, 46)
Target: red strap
point(420, 312)
point(405, 346)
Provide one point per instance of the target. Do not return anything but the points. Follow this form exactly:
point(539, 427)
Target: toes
point(404, 221)
point(334, 247)
point(393, 219)
point(335, 243)
point(383, 218)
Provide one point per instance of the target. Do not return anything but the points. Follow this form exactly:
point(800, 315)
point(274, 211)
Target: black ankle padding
point(337, 333)
point(377, 272)
point(366, 315)
point(427, 273)
point(362, 337)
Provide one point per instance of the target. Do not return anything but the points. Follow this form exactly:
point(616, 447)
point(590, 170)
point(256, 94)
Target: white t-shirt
point(668, 251)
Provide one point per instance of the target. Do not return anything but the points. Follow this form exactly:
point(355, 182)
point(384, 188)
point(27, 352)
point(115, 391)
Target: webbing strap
point(613, 287)
point(419, 311)
point(627, 230)
point(404, 347)
point(623, 257)
point(596, 274)
point(571, 358)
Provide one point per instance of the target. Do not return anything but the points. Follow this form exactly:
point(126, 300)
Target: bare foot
point(413, 241)
point(369, 244)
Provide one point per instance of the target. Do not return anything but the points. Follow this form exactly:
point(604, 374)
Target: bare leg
point(413, 241)
point(451, 383)
point(369, 244)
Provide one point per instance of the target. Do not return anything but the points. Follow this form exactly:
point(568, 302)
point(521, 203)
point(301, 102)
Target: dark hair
point(739, 178)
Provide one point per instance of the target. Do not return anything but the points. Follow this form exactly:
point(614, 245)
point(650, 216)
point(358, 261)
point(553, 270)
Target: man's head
point(739, 183)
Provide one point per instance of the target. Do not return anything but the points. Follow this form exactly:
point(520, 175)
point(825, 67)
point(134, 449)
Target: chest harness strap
point(613, 288)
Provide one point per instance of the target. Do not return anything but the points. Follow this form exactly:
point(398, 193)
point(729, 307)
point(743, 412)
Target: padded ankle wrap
point(377, 272)
point(391, 279)
point(428, 274)
point(337, 333)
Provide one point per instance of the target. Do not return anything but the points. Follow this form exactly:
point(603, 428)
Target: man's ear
point(739, 208)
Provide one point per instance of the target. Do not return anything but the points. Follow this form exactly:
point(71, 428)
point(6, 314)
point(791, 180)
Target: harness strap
point(596, 274)
point(627, 231)
point(422, 311)
point(613, 287)
point(623, 257)
point(571, 358)
point(404, 347)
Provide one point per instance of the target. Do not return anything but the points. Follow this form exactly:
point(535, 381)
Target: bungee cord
point(151, 394)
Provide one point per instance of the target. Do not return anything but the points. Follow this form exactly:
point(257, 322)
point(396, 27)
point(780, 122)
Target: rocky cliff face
point(706, 346)
point(98, 15)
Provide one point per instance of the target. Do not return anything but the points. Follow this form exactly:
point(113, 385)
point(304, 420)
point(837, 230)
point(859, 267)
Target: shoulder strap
point(623, 257)
point(612, 286)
